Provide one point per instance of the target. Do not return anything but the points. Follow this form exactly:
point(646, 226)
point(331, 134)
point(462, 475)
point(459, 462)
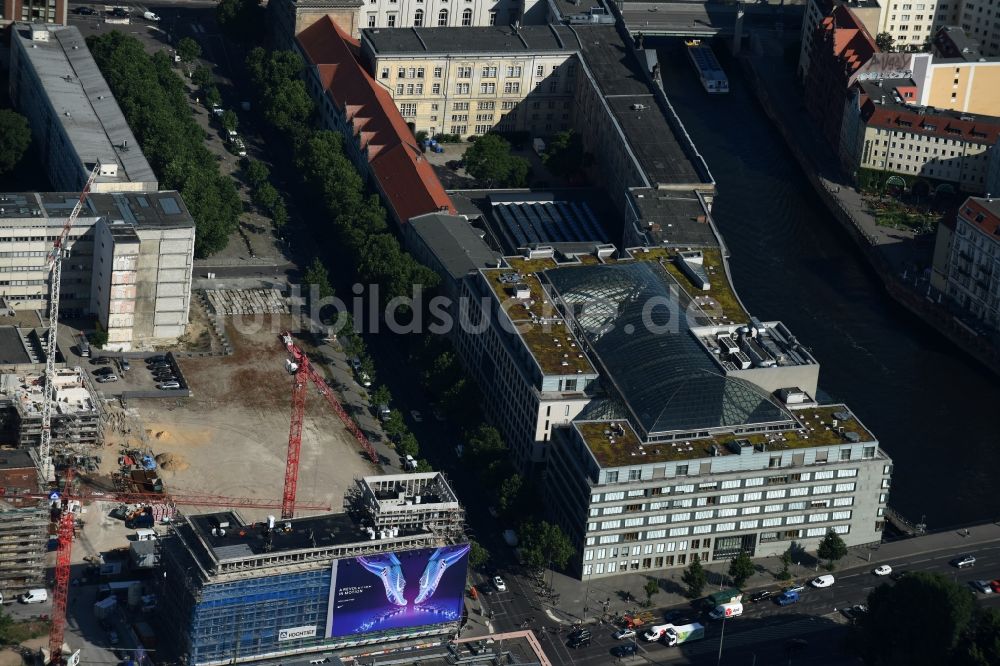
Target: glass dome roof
point(637, 320)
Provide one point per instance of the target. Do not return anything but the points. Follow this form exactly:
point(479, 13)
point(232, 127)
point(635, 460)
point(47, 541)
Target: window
point(385, 73)
point(483, 129)
point(493, 18)
point(635, 475)
point(752, 497)
point(399, 89)
point(459, 117)
point(845, 487)
point(682, 470)
point(461, 89)
point(437, 70)
point(489, 72)
point(464, 72)
point(391, 20)
point(822, 490)
point(464, 106)
point(401, 73)
point(540, 70)
point(512, 87)
point(443, 21)
point(846, 473)
point(409, 88)
point(408, 109)
point(458, 129)
point(371, 20)
point(513, 70)
point(486, 106)
point(436, 89)
point(729, 499)
point(418, 21)
point(467, 17)
point(487, 88)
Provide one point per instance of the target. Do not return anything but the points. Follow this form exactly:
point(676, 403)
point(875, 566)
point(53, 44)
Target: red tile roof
point(983, 214)
point(406, 179)
point(977, 129)
point(850, 39)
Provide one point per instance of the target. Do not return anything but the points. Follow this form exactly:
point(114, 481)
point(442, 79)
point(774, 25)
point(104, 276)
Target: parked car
point(156, 359)
point(626, 650)
point(787, 598)
point(795, 587)
point(217, 110)
point(882, 570)
point(85, 11)
point(499, 584)
point(760, 596)
point(35, 596)
point(984, 586)
point(995, 585)
point(150, 16)
point(106, 370)
point(124, 364)
point(622, 634)
point(168, 386)
point(825, 580)
point(100, 360)
point(416, 416)
point(105, 379)
point(120, 12)
point(963, 561)
point(158, 365)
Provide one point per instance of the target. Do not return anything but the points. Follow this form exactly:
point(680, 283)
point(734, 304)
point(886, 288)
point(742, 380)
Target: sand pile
point(172, 462)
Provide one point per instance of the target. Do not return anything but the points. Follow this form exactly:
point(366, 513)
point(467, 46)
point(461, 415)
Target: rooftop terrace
point(615, 444)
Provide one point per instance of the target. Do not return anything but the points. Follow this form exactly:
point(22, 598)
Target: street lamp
point(722, 636)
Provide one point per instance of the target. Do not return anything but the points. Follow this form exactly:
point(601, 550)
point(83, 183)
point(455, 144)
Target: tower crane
point(45, 468)
point(67, 520)
point(304, 371)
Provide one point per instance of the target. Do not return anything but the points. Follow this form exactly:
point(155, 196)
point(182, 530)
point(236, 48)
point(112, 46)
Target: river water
point(934, 410)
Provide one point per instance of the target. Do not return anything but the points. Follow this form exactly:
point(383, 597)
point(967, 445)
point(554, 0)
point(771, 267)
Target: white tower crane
point(46, 468)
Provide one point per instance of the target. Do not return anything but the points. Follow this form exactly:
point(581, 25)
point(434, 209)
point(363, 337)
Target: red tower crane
point(304, 371)
point(67, 520)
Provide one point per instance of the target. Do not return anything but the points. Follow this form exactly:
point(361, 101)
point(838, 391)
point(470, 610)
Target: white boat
point(713, 79)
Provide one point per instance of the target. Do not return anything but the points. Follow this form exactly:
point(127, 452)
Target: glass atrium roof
point(636, 318)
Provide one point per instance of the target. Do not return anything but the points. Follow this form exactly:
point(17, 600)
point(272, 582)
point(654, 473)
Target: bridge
point(704, 19)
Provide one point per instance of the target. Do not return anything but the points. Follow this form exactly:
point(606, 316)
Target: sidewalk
point(574, 594)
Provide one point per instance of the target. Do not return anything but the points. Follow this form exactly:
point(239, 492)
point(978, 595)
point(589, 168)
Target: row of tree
point(15, 137)
point(154, 101)
point(265, 195)
point(356, 218)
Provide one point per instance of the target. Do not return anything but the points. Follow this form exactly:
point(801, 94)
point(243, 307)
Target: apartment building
point(971, 269)
point(981, 20)
point(841, 47)
point(33, 11)
point(958, 74)
point(913, 25)
point(128, 260)
point(469, 81)
point(881, 133)
point(74, 118)
point(868, 13)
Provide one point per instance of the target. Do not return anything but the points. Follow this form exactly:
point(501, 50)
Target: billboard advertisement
point(395, 591)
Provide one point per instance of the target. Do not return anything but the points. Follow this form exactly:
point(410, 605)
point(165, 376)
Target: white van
point(150, 16)
point(145, 535)
point(734, 609)
point(36, 596)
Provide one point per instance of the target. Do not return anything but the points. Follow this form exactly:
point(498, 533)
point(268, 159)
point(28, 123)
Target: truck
point(656, 632)
point(684, 634)
point(721, 611)
point(729, 596)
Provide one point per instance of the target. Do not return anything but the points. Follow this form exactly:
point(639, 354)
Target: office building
point(240, 592)
point(377, 139)
point(33, 11)
point(970, 272)
point(74, 118)
point(128, 261)
point(469, 81)
point(914, 144)
point(291, 17)
point(24, 525)
point(635, 377)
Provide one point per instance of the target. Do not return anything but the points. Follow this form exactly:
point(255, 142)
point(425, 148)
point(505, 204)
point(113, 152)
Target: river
point(933, 409)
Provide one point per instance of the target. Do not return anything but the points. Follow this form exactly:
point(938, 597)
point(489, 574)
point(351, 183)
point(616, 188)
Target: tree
point(279, 214)
point(266, 197)
point(982, 647)
point(381, 395)
point(423, 466)
point(257, 173)
point(188, 50)
point(694, 577)
point(394, 426)
point(489, 159)
point(786, 561)
point(741, 568)
point(202, 76)
point(478, 556)
point(243, 20)
point(230, 121)
point(652, 588)
point(408, 445)
point(884, 41)
point(509, 494)
point(902, 617)
point(317, 275)
point(831, 548)
point(544, 544)
point(15, 136)
point(213, 96)
point(564, 156)
point(99, 338)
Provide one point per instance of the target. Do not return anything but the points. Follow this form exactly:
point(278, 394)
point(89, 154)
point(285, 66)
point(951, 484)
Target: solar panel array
point(524, 224)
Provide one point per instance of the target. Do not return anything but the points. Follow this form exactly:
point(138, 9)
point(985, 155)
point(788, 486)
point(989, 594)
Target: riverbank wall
point(932, 313)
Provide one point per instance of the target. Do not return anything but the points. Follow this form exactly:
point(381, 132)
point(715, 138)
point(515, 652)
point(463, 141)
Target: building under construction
point(75, 416)
point(392, 567)
point(24, 525)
